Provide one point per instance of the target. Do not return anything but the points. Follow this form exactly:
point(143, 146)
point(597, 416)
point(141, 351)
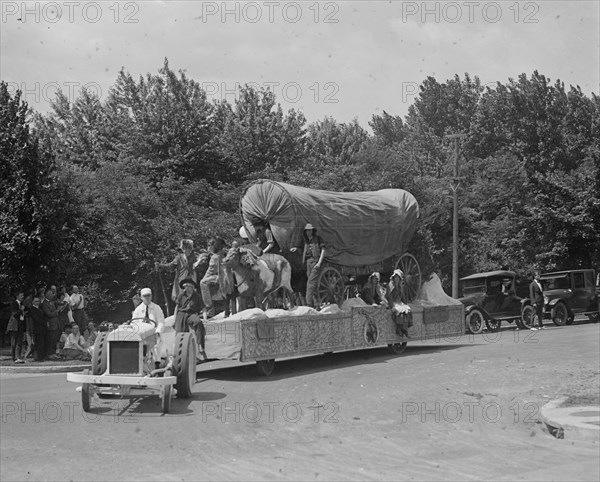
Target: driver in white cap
point(148, 309)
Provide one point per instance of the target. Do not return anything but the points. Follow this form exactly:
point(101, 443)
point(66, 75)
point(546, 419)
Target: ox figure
point(258, 277)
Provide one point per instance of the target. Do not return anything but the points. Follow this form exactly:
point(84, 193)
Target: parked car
point(569, 293)
point(490, 298)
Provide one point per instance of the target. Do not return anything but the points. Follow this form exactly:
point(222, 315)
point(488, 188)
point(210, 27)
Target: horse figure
point(258, 277)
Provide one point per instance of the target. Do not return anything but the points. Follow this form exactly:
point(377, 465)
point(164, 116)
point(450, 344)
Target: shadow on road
point(129, 408)
point(287, 368)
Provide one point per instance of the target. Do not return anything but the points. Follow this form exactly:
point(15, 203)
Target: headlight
point(546, 300)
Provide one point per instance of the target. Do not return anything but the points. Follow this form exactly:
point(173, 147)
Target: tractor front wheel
point(184, 364)
point(86, 394)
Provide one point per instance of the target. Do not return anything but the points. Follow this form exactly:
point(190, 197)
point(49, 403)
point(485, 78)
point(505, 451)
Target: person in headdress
point(244, 243)
point(215, 275)
point(397, 303)
point(373, 292)
point(184, 264)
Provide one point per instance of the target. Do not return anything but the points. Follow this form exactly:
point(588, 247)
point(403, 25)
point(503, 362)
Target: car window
point(578, 280)
point(473, 286)
point(589, 279)
point(558, 283)
point(495, 286)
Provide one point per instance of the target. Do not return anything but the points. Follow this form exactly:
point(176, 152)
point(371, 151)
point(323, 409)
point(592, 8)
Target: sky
point(345, 59)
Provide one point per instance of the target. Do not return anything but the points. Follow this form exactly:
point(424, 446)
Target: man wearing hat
point(148, 309)
point(189, 302)
point(313, 256)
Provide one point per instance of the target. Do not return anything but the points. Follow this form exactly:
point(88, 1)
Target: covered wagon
point(364, 231)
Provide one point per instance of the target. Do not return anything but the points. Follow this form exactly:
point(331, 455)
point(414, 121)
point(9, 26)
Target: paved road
point(466, 410)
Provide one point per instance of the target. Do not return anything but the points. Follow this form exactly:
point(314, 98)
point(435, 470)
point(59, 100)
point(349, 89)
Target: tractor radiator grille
point(124, 357)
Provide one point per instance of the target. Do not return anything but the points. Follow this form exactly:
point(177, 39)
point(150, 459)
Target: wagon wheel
point(330, 286)
point(412, 276)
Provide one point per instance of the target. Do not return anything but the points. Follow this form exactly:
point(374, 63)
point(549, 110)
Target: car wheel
point(493, 325)
point(475, 321)
point(560, 315)
point(528, 317)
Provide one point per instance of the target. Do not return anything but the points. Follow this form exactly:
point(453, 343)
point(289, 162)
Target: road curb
point(44, 369)
point(577, 422)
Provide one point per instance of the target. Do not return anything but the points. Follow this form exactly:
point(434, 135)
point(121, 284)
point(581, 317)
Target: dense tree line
point(97, 190)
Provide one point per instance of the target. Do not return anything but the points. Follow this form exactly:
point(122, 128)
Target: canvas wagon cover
point(359, 228)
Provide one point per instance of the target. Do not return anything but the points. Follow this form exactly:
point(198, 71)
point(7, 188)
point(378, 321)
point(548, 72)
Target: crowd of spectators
point(48, 323)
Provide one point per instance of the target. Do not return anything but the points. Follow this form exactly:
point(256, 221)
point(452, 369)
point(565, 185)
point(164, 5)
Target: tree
point(388, 130)
point(257, 138)
point(31, 220)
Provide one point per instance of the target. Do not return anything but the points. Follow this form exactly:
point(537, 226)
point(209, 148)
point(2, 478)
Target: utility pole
point(454, 185)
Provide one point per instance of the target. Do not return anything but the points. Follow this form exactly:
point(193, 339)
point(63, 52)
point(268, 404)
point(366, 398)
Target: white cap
point(146, 291)
point(243, 233)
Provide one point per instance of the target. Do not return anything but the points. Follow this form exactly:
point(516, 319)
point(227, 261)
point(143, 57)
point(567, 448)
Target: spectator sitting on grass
point(75, 346)
point(67, 330)
point(90, 334)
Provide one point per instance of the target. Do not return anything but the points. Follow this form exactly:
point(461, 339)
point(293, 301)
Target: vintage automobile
point(490, 298)
point(569, 293)
point(139, 358)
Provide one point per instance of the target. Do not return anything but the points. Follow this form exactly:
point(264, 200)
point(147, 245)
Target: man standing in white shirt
point(148, 309)
point(77, 306)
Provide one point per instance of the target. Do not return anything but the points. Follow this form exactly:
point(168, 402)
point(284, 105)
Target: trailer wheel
point(560, 315)
point(397, 348)
point(166, 394)
point(265, 367)
point(412, 276)
point(86, 394)
point(100, 354)
point(184, 364)
point(330, 286)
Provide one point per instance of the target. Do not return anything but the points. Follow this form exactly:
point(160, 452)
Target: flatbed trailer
point(267, 340)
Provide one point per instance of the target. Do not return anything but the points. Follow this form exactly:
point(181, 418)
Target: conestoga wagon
point(364, 231)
